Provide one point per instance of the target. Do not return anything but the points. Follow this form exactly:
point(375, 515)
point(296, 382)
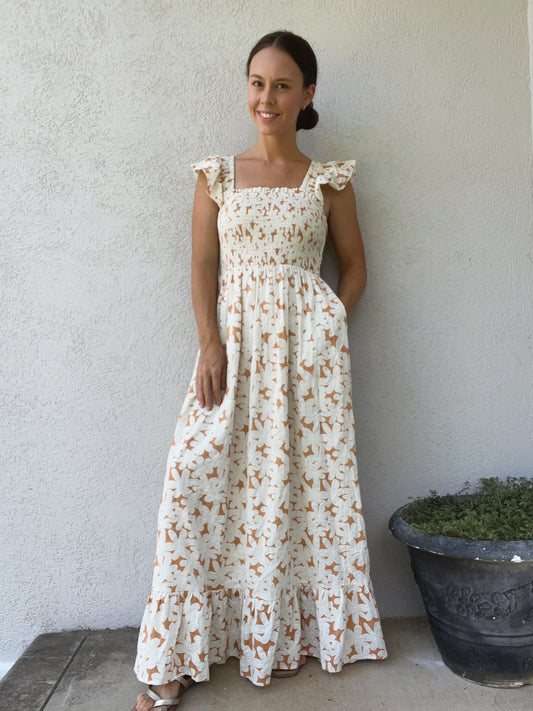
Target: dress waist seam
point(265, 267)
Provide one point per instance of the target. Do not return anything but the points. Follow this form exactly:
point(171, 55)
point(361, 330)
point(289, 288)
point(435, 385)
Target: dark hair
point(300, 51)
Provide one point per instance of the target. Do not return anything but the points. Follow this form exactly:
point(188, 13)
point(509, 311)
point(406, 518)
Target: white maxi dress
point(261, 548)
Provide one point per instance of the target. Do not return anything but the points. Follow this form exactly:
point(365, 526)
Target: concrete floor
point(93, 670)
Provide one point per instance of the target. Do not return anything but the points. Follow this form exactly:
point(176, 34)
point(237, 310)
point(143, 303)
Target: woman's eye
point(282, 86)
point(256, 83)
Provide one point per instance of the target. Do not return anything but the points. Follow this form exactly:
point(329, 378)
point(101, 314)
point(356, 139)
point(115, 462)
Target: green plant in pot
point(472, 558)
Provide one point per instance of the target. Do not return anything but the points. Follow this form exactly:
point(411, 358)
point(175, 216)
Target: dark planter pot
point(478, 597)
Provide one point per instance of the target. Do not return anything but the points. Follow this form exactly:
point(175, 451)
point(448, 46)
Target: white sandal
point(185, 681)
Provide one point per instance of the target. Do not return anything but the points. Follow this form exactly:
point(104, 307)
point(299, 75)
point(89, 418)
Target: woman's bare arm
point(211, 371)
point(344, 232)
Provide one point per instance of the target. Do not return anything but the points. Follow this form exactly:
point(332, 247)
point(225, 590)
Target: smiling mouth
point(266, 115)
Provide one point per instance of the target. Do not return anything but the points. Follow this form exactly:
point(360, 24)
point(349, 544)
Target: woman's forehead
point(271, 60)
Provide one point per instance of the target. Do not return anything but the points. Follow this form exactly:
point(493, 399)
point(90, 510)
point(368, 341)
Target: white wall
point(104, 105)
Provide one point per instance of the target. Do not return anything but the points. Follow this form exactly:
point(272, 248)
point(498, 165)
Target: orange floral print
point(261, 549)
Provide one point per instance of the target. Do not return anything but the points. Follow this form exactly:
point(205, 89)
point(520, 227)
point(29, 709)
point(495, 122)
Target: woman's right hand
point(211, 373)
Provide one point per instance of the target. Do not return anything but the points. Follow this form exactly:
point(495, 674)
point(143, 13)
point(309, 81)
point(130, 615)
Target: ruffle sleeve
point(215, 171)
point(335, 173)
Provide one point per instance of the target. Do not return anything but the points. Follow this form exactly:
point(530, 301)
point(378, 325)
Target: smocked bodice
point(272, 226)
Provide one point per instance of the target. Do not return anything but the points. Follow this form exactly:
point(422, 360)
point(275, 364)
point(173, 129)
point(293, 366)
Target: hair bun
point(307, 119)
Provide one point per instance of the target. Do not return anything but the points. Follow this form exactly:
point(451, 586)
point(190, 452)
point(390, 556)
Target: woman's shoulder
point(212, 164)
point(335, 169)
point(334, 173)
point(217, 170)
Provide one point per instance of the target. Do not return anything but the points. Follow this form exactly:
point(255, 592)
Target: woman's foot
point(172, 690)
point(285, 673)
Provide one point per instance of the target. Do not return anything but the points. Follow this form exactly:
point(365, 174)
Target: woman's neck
point(275, 148)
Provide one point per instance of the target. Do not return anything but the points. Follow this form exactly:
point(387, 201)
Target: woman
point(261, 549)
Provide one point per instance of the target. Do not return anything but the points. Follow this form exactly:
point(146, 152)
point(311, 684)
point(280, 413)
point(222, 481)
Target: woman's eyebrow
point(258, 76)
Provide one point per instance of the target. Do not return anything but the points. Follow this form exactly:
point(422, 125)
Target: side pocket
point(341, 304)
point(336, 299)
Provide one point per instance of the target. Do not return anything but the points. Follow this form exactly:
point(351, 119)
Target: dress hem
point(165, 679)
point(182, 633)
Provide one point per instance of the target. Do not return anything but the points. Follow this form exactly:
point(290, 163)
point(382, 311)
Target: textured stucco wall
point(530, 31)
point(104, 105)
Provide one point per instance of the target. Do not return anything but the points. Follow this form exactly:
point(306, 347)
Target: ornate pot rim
point(506, 551)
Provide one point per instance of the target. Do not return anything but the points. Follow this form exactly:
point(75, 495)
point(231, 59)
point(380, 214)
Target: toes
point(144, 703)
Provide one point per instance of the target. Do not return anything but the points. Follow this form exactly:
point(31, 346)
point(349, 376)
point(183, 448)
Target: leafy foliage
point(498, 510)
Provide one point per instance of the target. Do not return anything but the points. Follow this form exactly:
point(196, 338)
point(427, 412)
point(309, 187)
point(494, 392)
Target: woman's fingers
point(207, 390)
point(199, 389)
point(223, 382)
point(203, 387)
point(216, 376)
point(211, 377)
point(219, 379)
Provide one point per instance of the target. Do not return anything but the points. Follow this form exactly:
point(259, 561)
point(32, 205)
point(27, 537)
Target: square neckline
point(262, 187)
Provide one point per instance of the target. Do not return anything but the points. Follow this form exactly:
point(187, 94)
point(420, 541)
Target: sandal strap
point(159, 701)
point(185, 681)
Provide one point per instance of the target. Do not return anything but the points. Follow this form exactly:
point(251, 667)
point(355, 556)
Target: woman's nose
point(267, 95)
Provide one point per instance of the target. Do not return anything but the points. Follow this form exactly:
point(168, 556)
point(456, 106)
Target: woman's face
point(276, 93)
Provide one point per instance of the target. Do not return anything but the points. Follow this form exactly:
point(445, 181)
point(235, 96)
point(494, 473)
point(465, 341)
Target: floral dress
point(261, 549)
